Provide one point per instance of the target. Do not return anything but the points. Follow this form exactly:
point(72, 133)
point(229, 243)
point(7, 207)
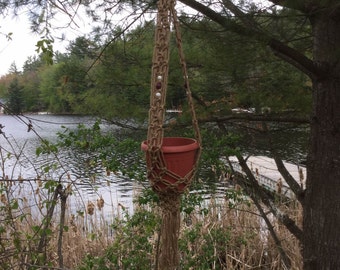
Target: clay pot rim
point(175, 145)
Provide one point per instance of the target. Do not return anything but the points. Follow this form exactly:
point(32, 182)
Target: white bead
point(158, 94)
point(159, 77)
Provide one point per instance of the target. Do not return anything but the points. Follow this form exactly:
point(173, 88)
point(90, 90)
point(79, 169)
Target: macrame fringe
point(169, 256)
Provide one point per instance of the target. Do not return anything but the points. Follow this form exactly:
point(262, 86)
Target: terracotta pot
point(180, 157)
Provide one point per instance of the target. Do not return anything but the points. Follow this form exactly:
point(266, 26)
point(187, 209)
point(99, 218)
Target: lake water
point(20, 136)
point(92, 183)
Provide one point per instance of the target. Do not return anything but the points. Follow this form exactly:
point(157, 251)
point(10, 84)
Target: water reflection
point(19, 140)
point(289, 141)
point(90, 183)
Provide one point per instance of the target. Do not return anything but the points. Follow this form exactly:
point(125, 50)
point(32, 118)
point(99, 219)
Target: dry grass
point(223, 237)
point(239, 239)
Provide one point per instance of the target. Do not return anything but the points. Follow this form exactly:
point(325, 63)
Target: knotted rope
point(167, 183)
point(158, 172)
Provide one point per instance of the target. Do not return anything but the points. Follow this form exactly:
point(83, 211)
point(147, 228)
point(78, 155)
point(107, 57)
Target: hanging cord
point(169, 185)
point(160, 69)
point(159, 80)
point(185, 74)
point(159, 75)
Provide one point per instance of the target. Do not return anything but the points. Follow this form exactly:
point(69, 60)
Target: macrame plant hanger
point(171, 161)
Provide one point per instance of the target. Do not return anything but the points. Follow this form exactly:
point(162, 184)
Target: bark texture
point(321, 242)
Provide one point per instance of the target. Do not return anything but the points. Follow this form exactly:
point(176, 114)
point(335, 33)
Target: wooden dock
point(174, 111)
point(268, 176)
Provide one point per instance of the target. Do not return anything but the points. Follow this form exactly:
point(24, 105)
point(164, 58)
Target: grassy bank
point(218, 233)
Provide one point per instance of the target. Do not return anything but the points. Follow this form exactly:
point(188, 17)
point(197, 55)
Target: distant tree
point(33, 63)
point(15, 98)
point(51, 82)
point(13, 69)
point(82, 48)
point(73, 81)
point(31, 93)
point(120, 80)
point(5, 81)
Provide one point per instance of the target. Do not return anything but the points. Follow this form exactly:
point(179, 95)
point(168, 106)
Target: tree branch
point(257, 117)
point(249, 190)
point(295, 58)
point(251, 29)
point(296, 4)
point(46, 223)
point(282, 217)
point(286, 260)
point(294, 186)
point(292, 183)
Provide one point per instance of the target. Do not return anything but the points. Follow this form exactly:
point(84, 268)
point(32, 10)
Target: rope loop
point(158, 172)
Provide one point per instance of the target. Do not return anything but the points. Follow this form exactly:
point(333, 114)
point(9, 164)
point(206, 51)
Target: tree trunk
point(321, 243)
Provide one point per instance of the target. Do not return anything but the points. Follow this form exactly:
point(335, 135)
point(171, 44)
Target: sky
point(22, 43)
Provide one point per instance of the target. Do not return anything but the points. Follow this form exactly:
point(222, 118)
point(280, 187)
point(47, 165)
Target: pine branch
point(250, 29)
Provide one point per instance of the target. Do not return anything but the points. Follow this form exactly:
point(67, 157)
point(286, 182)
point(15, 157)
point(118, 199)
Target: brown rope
point(169, 256)
point(159, 75)
point(185, 74)
point(157, 170)
point(166, 183)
